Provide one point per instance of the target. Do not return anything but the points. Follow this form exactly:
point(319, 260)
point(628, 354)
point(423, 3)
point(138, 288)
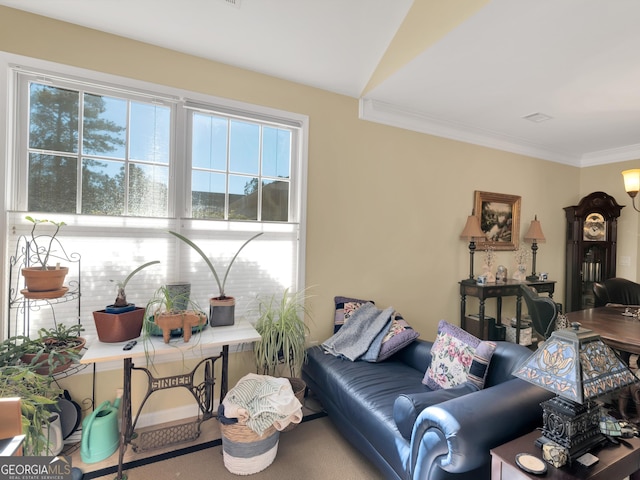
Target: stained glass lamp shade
point(578, 366)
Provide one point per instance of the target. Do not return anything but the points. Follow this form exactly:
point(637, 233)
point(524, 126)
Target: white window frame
point(14, 174)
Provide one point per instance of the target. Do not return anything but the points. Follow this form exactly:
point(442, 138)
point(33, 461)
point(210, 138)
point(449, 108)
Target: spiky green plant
point(221, 284)
point(281, 324)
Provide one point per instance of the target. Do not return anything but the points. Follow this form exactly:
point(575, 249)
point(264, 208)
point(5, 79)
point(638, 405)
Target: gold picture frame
point(499, 217)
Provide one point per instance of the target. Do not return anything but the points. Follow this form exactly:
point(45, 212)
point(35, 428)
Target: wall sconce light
point(470, 232)
point(534, 235)
point(632, 184)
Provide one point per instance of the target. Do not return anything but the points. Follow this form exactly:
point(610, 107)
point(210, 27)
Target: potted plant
point(120, 303)
point(54, 350)
point(38, 395)
point(121, 321)
point(41, 279)
point(222, 307)
point(281, 324)
point(168, 315)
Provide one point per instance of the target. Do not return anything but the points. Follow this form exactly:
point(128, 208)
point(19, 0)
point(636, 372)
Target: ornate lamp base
point(573, 426)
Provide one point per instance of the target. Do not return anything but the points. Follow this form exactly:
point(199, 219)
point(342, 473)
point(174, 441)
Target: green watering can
point(100, 435)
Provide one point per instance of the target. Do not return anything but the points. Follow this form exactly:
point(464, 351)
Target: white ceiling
point(577, 61)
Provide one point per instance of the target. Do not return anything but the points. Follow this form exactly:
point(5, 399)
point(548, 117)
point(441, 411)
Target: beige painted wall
point(385, 206)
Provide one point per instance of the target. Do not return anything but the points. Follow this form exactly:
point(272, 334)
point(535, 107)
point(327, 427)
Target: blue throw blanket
point(361, 334)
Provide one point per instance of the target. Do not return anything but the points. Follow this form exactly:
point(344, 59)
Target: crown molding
point(394, 116)
point(613, 155)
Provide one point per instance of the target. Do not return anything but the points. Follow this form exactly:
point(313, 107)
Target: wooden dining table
point(619, 331)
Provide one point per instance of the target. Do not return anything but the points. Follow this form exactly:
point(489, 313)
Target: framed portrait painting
point(499, 216)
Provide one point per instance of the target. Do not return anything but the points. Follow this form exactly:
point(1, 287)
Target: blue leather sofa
point(411, 432)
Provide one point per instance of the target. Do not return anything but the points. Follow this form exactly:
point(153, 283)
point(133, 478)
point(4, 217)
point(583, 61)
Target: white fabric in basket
point(259, 401)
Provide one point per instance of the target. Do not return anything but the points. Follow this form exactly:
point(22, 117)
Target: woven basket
point(244, 451)
point(299, 387)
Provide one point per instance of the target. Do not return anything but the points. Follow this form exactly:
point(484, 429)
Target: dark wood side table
point(510, 288)
point(616, 462)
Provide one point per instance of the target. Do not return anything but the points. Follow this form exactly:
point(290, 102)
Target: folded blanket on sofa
point(356, 337)
point(259, 401)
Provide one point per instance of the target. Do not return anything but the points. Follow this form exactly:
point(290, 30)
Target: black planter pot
point(222, 311)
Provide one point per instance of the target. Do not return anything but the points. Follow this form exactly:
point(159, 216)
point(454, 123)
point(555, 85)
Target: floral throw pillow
point(451, 357)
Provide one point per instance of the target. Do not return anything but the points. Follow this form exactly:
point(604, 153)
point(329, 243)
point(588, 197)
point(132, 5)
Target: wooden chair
point(542, 310)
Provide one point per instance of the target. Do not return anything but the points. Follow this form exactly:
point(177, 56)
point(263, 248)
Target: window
point(240, 169)
point(93, 153)
point(122, 162)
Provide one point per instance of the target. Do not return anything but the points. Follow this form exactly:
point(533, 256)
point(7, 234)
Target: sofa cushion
point(345, 306)
point(451, 357)
point(408, 406)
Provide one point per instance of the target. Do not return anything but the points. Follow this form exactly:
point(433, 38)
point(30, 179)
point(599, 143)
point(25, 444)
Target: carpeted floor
point(314, 450)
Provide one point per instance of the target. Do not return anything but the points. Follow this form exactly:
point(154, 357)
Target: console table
point(207, 347)
point(615, 462)
point(509, 288)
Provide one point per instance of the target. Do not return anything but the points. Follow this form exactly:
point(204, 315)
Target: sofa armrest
point(457, 435)
point(408, 406)
point(417, 355)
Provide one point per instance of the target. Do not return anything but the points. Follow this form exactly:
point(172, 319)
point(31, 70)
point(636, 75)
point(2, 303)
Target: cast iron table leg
point(224, 380)
point(125, 422)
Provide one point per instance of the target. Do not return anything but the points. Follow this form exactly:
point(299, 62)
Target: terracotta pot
point(118, 327)
point(184, 320)
point(49, 280)
point(222, 311)
point(61, 364)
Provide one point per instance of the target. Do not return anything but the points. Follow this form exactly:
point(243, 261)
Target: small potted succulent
point(222, 307)
point(43, 280)
point(122, 320)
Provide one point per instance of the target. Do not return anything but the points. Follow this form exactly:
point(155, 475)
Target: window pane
point(276, 152)
point(102, 187)
point(52, 183)
point(150, 132)
point(53, 120)
point(148, 190)
point(105, 124)
point(207, 197)
point(209, 142)
point(243, 198)
point(244, 154)
point(275, 201)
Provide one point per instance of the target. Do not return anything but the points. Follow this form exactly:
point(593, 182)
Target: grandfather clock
point(592, 229)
